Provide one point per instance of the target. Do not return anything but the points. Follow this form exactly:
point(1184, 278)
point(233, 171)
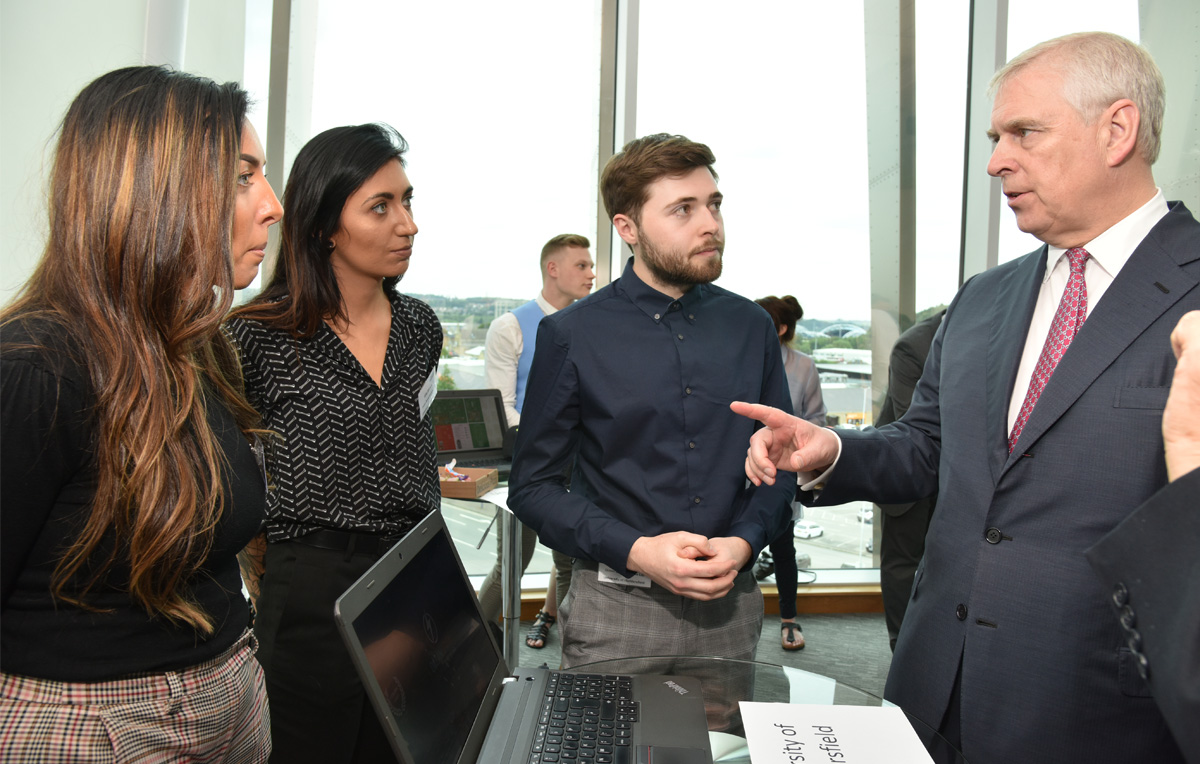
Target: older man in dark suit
point(1037, 421)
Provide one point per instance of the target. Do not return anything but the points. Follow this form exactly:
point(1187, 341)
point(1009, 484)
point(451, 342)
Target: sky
point(499, 103)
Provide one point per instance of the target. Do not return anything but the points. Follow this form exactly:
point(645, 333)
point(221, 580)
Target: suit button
point(1120, 595)
point(1128, 617)
point(961, 612)
point(1143, 666)
point(1133, 638)
point(992, 535)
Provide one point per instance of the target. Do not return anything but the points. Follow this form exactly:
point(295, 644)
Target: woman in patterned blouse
point(343, 369)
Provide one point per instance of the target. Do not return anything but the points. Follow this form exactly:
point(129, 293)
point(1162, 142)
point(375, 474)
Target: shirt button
point(992, 535)
point(691, 444)
point(657, 316)
point(691, 316)
point(696, 500)
point(680, 336)
point(960, 612)
point(687, 390)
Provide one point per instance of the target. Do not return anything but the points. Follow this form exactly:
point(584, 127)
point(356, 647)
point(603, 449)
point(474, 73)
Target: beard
point(675, 268)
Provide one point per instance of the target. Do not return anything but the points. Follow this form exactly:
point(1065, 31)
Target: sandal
point(792, 636)
point(540, 631)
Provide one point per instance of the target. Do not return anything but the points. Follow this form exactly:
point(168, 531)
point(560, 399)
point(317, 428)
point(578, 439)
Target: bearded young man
point(632, 387)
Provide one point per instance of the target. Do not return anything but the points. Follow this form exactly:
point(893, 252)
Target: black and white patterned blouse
point(351, 455)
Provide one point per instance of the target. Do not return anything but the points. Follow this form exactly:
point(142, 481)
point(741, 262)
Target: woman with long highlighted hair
point(129, 478)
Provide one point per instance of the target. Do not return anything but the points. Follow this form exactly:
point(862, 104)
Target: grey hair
point(1098, 69)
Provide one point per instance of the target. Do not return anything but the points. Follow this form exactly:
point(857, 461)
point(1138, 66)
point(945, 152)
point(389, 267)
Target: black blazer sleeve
point(1151, 566)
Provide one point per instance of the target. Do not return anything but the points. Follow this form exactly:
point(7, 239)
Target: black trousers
point(319, 710)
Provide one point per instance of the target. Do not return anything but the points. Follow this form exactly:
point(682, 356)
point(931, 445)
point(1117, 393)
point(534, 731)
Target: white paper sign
point(793, 733)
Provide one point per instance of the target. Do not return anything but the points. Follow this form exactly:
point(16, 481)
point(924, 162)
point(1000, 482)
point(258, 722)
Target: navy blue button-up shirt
point(635, 386)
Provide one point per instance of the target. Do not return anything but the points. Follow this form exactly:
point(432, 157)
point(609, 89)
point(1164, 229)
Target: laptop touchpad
point(662, 754)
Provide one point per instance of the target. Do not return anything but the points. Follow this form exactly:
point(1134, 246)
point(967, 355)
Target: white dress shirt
point(502, 350)
point(1109, 252)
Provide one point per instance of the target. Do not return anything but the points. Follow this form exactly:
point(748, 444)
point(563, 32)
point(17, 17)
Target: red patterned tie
point(1072, 310)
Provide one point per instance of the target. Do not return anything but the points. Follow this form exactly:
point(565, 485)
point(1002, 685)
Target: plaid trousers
point(601, 621)
point(214, 712)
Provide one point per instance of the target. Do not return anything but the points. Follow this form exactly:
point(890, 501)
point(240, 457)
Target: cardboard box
point(478, 482)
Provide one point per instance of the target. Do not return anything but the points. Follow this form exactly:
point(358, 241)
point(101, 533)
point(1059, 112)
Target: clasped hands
point(689, 564)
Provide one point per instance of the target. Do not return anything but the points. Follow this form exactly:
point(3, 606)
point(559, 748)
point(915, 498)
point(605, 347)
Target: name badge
point(610, 576)
point(428, 392)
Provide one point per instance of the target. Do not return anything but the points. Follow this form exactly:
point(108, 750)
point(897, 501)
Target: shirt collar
point(1112, 249)
point(544, 304)
point(653, 302)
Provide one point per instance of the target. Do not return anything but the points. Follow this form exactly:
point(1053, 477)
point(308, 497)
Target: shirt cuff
point(811, 481)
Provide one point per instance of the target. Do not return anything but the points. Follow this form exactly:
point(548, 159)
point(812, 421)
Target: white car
point(807, 529)
point(866, 514)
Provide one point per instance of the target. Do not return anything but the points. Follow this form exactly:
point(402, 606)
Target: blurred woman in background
point(129, 482)
point(343, 369)
point(804, 384)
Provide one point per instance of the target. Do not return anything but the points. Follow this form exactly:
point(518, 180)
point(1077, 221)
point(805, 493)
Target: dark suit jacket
point(904, 369)
point(1004, 590)
point(1151, 566)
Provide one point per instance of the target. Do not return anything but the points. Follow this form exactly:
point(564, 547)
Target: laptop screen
point(468, 421)
point(429, 652)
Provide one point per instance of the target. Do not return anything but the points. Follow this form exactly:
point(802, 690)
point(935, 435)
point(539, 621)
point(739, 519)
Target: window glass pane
point(1031, 22)
point(943, 29)
point(256, 80)
point(502, 118)
point(776, 90)
point(257, 76)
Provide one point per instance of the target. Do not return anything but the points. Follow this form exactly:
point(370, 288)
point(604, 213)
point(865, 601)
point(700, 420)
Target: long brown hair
point(136, 271)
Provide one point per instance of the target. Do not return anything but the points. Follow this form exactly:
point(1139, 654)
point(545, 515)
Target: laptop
point(472, 429)
point(444, 695)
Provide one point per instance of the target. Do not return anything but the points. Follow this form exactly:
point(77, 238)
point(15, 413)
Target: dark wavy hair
point(140, 222)
point(304, 291)
point(785, 311)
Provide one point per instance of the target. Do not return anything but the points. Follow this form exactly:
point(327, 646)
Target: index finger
point(768, 415)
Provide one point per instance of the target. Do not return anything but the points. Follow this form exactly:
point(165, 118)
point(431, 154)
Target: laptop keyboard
point(586, 719)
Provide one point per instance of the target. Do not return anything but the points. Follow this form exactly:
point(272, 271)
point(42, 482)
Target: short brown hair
point(562, 241)
point(629, 173)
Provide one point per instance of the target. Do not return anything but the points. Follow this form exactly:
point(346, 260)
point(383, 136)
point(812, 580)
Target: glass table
point(493, 506)
point(725, 682)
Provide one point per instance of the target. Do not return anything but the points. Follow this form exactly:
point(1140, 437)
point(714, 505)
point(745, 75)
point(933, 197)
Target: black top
point(351, 454)
point(47, 481)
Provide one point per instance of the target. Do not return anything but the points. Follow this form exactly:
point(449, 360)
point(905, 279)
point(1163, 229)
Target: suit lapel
point(1130, 305)
point(1011, 314)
